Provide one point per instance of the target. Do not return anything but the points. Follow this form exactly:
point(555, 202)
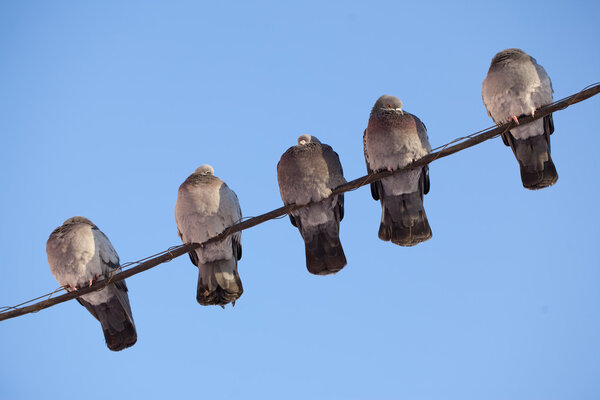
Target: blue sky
point(106, 107)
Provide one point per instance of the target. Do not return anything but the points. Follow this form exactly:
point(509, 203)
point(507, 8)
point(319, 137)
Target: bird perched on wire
point(79, 254)
point(393, 139)
point(206, 207)
point(307, 173)
point(517, 85)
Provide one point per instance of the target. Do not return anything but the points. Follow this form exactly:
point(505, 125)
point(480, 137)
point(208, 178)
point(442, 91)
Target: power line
point(176, 251)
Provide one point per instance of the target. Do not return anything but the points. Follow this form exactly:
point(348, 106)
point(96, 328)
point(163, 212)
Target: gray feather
point(403, 220)
point(516, 85)
point(115, 317)
point(393, 139)
point(77, 252)
point(307, 173)
point(219, 283)
point(205, 207)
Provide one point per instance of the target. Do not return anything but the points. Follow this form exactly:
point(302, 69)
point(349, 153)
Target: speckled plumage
point(79, 252)
point(517, 85)
point(393, 139)
point(307, 173)
point(205, 207)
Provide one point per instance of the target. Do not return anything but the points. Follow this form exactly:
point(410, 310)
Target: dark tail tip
point(406, 236)
point(217, 297)
point(533, 154)
point(218, 283)
point(535, 180)
point(404, 220)
point(324, 255)
point(116, 320)
point(122, 339)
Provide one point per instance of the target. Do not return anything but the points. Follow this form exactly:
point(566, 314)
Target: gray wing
point(110, 260)
point(376, 188)
point(369, 170)
point(424, 138)
point(336, 177)
point(115, 314)
point(542, 95)
point(237, 237)
point(107, 252)
point(422, 134)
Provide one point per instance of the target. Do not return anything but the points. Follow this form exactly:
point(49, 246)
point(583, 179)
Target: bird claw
point(514, 118)
point(93, 280)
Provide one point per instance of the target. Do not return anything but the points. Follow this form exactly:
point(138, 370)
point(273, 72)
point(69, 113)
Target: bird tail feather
point(403, 219)
point(533, 154)
point(324, 252)
point(219, 283)
point(116, 320)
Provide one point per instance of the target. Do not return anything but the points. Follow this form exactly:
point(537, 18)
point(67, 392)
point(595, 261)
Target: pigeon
point(308, 172)
point(206, 207)
point(79, 254)
point(393, 139)
point(517, 85)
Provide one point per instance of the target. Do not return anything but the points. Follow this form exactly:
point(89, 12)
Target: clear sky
point(107, 106)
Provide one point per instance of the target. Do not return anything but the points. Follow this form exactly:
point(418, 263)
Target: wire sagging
point(146, 263)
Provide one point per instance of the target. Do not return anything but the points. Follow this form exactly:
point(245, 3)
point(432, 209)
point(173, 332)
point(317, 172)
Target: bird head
point(205, 170)
point(388, 103)
point(304, 139)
